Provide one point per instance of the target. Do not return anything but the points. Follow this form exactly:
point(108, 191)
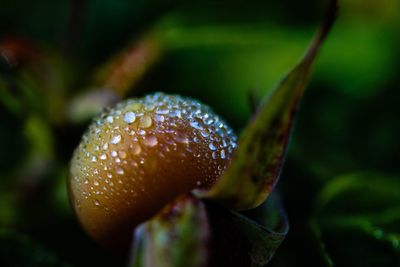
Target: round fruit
point(140, 155)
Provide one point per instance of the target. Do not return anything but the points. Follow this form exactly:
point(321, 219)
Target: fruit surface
point(140, 155)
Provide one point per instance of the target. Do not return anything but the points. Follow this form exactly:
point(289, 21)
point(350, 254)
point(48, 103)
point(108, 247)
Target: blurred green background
point(340, 183)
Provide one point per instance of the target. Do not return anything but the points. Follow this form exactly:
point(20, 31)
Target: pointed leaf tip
point(256, 166)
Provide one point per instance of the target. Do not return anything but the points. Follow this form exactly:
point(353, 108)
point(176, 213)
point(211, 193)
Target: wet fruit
point(140, 155)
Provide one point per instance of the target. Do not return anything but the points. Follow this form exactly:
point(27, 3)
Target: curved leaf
point(256, 166)
point(193, 233)
point(247, 239)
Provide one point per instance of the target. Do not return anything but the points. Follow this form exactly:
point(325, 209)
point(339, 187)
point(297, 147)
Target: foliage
point(221, 53)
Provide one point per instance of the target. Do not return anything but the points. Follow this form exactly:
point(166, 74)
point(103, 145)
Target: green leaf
point(255, 168)
point(368, 192)
point(361, 210)
point(191, 233)
point(247, 239)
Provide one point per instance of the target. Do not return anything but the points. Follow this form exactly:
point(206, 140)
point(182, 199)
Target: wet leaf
point(262, 146)
point(176, 237)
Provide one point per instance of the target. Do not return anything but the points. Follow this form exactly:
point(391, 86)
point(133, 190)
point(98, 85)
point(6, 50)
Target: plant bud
point(140, 155)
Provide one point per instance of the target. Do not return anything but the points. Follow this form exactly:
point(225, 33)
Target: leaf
point(361, 210)
point(126, 68)
point(256, 166)
point(246, 239)
point(84, 106)
point(194, 233)
point(176, 237)
point(116, 77)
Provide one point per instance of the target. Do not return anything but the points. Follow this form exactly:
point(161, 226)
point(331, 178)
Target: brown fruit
point(140, 155)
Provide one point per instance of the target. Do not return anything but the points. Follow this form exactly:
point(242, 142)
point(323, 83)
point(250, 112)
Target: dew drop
point(149, 107)
point(159, 118)
point(96, 202)
point(96, 183)
point(224, 143)
point(212, 146)
point(223, 154)
point(136, 149)
point(110, 119)
point(120, 171)
point(129, 117)
point(162, 110)
point(116, 139)
point(145, 121)
point(204, 133)
point(114, 153)
point(103, 157)
point(208, 121)
point(150, 141)
point(136, 106)
point(195, 124)
point(122, 154)
point(181, 138)
point(175, 113)
point(141, 132)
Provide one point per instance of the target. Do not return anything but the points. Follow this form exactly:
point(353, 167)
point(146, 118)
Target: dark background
point(340, 183)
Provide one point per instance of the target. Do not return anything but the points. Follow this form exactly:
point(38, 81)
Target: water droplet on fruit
point(129, 117)
point(116, 139)
point(150, 141)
